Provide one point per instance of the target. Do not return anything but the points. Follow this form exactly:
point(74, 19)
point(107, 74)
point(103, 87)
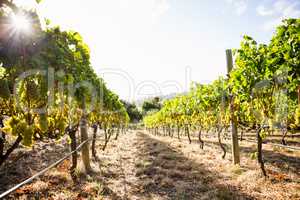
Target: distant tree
point(151, 105)
point(134, 114)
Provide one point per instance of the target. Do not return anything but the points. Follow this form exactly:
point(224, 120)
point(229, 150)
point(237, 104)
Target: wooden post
point(298, 95)
point(234, 134)
point(85, 155)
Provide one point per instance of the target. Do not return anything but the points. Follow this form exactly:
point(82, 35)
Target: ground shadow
point(167, 173)
point(23, 163)
point(282, 161)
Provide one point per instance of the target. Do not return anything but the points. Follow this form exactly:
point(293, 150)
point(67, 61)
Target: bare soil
point(141, 166)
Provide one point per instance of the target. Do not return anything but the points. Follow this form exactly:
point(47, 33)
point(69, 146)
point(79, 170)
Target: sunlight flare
point(21, 23)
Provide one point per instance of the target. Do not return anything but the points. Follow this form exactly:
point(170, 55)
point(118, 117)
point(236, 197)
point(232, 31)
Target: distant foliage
point(151, 105)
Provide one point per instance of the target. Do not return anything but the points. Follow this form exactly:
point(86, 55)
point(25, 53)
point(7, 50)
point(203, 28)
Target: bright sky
point(145, 47)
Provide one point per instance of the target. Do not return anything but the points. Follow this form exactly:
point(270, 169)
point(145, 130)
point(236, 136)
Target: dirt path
point(144, 166)
point(117, 165)
point(140, 166)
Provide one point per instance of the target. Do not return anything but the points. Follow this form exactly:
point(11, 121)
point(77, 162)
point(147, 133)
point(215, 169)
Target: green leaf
point(47, 21)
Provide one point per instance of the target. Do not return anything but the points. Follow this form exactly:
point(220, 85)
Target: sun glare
point(21, 23)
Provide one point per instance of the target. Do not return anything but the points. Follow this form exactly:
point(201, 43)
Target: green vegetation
point(264, 83)
point(134, 114)
point(152, 105)
point(62, 92)
point(50, 94)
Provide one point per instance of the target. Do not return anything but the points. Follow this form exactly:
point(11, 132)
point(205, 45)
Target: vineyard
point(65, 135)
point(262, 93)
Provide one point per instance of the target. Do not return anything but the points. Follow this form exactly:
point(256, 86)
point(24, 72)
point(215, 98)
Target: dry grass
point(282, 167)
point(140, 166)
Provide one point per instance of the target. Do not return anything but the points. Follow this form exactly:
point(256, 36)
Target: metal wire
point(44, 170)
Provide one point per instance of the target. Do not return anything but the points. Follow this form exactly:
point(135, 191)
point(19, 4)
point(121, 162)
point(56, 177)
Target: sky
point(155, 47)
